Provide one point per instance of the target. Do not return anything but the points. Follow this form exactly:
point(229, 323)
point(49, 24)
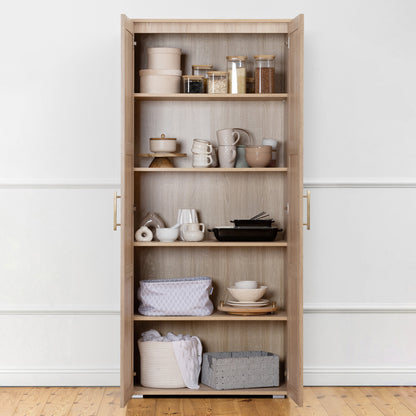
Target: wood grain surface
point(104, 401)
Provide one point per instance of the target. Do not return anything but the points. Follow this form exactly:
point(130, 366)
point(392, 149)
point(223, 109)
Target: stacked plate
point(242, 304)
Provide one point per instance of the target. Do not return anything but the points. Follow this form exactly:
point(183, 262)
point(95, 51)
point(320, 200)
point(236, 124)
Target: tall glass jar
point(237, 72)
point(202, 70)
point(264, 74)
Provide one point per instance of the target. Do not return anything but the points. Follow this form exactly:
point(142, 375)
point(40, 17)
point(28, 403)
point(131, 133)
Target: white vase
point(186, 216)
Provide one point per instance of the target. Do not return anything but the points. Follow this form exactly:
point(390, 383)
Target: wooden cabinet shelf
point(212, 243)
point(216, 316)
point(210, 97)
point(217, 194)
point(208, 391)
point(210, 170)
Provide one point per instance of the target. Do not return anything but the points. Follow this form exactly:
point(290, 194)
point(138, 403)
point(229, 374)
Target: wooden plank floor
point(104, 401)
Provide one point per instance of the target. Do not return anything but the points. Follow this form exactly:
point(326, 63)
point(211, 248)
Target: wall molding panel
point(359, 376)
point(87, 183)
point(360, 183)
point(26, 311)
point(314, 308)
point(308, 308)
point(92, 183)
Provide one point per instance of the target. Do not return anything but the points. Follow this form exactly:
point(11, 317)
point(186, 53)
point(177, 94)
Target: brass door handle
point(308, 210)
point(115, 224)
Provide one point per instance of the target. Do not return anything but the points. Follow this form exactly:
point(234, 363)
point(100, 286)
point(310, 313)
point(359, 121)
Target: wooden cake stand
point(161, 160)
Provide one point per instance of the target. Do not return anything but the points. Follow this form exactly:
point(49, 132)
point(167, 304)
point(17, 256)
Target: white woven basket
point(158, 365)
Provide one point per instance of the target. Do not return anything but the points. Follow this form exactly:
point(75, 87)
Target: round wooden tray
point(161, 160)
point(238, 310)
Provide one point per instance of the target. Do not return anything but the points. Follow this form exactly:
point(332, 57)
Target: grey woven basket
point(240, 369)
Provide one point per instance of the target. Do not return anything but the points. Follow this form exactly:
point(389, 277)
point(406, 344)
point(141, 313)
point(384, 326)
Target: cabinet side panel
point(295, 221)
point(127, 186)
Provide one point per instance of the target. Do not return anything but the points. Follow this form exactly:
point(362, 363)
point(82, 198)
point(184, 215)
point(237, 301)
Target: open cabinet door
point(127, 203)
point(295, 222)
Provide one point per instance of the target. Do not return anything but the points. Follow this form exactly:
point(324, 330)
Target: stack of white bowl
point(164, 73)
point(247, 291)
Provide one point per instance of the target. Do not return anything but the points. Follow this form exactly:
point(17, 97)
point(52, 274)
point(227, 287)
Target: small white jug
point(193, 231)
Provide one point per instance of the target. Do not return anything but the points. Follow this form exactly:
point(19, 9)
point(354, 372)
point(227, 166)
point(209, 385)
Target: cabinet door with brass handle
point(308, 210)
point(115, 223)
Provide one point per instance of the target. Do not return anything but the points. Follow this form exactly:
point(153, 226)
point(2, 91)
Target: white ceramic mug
point(228, 137)
point(201, 160)
point(193, 231)
point(201, 146)
point(186, 216)
point(226, 156)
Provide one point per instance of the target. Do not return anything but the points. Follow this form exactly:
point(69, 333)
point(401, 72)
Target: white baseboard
point(313, 376)
point(59, 377)
point(359, 376)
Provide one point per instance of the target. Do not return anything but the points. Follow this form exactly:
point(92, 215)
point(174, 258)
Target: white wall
point(59, 165)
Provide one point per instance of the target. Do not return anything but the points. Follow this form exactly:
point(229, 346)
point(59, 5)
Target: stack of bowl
point(247, 291)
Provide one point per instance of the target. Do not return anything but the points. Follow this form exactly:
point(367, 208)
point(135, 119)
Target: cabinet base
point(275, 392)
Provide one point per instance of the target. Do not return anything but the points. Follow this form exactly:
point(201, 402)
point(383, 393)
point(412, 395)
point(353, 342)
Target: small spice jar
point(193, 84)
point(250, 86)
point(237, 71)
point(217, 82)
point(264, 74)
point(202, 70)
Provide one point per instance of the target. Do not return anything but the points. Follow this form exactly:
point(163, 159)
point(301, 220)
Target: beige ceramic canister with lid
point(160, 81)
point(162, 144)
point(164, 58)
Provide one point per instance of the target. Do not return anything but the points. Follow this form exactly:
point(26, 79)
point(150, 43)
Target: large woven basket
point(240, 369)
point(158, 365)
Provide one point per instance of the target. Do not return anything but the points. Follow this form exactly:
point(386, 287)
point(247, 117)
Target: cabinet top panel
point(210, 26)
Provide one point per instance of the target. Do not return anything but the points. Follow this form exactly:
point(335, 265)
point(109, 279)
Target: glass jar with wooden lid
point(264, 74)
point(193, 84)
point(237, 72)
point(217, 82)
point(202, 70)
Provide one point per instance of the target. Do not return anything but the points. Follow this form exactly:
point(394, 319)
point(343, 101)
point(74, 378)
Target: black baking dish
point(245, 233)
point(253, 223)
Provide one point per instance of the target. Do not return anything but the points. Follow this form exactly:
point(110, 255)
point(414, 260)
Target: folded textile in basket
point(188, 353)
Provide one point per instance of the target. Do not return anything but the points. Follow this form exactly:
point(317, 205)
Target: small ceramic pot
point(162, 144)
point(258, 156)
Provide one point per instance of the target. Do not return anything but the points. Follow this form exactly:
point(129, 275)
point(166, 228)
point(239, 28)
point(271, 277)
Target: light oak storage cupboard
point(218, 194)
